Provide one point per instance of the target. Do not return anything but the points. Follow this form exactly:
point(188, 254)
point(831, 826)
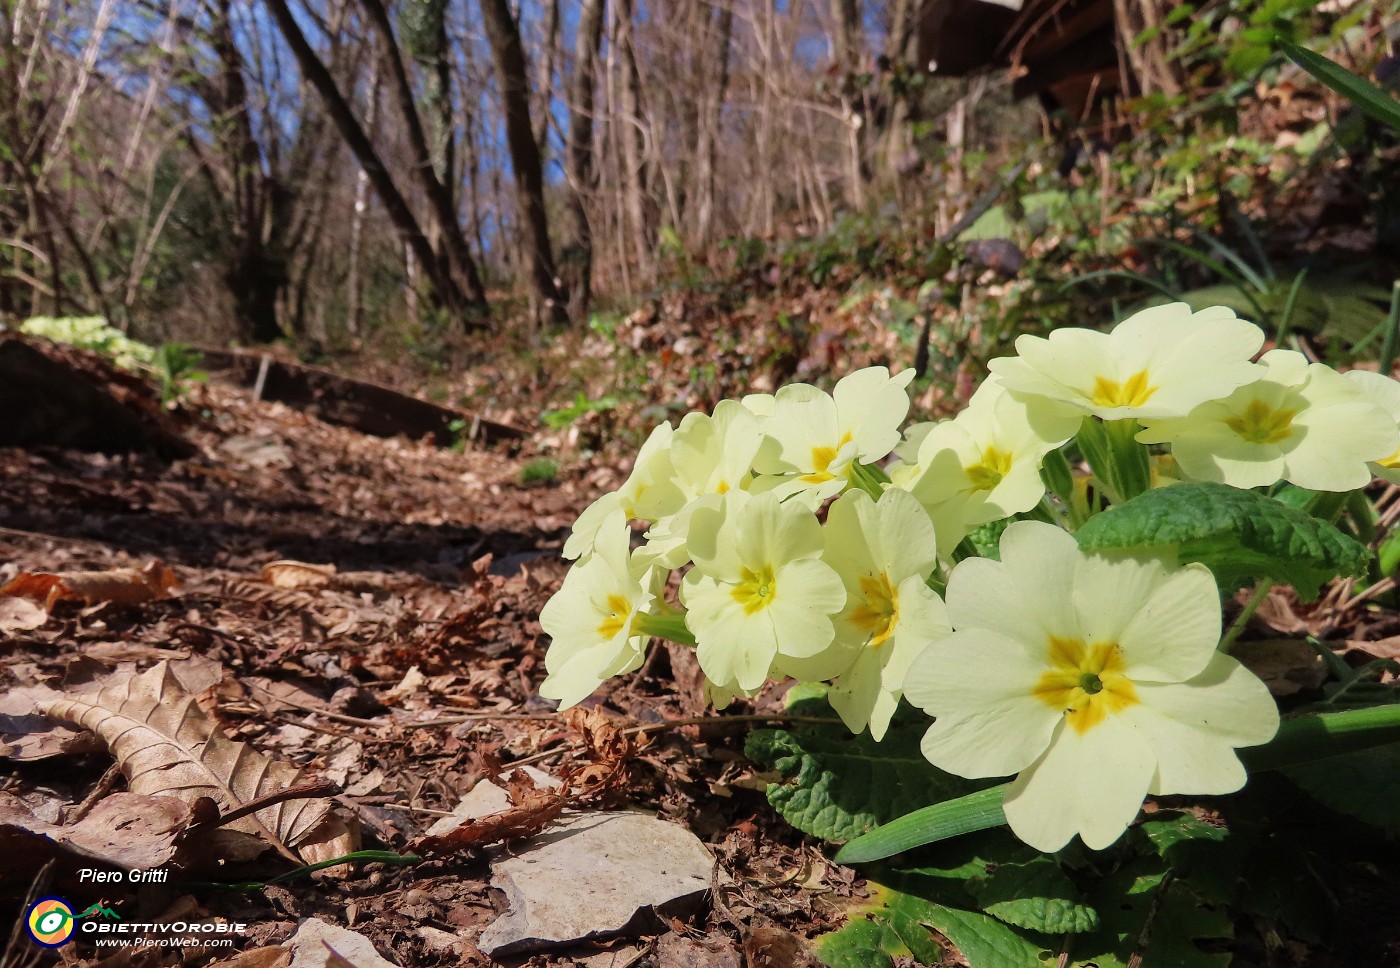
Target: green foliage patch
point(838, 786)
point(1237, 534)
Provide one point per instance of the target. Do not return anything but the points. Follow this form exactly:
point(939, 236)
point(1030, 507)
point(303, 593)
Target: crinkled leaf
point(1167, 832)
point(1182, 914)
point(1235, 533)
point(987, 943)
point(890, 926)
point(837, 786)
point(165, 745)
point(1035, 895)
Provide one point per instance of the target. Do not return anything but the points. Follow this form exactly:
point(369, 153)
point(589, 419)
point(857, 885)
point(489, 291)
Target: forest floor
point(406, 678)
point(366, 609)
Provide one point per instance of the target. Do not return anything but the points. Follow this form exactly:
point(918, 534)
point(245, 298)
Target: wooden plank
point(370, 408)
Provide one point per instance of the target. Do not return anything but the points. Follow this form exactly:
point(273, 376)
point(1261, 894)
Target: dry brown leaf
point(123, 830)
point(1387, 648)
point(165, 744)
point(20, 615)
point(25, 735)
point(335, 837)
point(123, 586)
point(531, 809)
point(297, 574)
point(1287, 666)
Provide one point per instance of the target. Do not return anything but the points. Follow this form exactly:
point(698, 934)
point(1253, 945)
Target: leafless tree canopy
point(258, 169)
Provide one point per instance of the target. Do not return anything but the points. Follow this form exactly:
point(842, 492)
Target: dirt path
point(442, 561)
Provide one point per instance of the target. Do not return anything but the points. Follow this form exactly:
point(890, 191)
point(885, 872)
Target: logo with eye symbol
point(49, 922)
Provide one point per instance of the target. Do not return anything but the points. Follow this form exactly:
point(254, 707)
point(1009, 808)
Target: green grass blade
point(1122, 274)
point(1366, 96)
point(1392, 324)
point(964, 815)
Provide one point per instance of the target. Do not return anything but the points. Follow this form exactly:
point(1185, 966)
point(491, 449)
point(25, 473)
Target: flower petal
point(1027, 596)
point(1089, 783)
point(1167, 625)
point(979, 685)
point(1195, 726)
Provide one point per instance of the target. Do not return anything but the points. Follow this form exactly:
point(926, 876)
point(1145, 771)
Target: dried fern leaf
point(165, 744)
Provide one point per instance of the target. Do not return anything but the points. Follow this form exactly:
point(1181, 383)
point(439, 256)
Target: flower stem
point(1261, 591)
point(869, 478)
point(1132, 466)
point(669, 624)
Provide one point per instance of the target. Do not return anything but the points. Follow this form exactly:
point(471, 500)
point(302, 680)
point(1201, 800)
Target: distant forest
point(255, 169)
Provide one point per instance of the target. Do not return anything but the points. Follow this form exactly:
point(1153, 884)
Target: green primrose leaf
point(895, 925)
point(985, 942)
point(1237, 534)
point(1035, 895)
point(976, 811)
point(837, 786)
point(1176, 912)
point(891, 926)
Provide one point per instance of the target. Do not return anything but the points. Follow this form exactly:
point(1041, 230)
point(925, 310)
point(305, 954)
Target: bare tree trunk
point(634, 155)
point(576, 258)
point(900, 54)
point(719, 27)
point(959, 120)
point(544, 88)
point(470, 306)
point(504, 35)
point(849, 53)
point(1150, 61)
point(440, 198)
point(354, 315)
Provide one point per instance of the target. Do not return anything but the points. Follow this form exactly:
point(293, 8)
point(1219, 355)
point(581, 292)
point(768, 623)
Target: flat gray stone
point(317, 944)
point(591, 876)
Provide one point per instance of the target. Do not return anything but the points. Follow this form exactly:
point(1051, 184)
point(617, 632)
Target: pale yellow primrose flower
point(1096, 680)
point(592, 619)
point(649, 493)
point(1304, 423)
point(814, 438)
point(884, 553)
point(713, 454)
point(710, 455)
point(984, 464)
point(1160, 362)
point(758, 589)
point(1384, 393)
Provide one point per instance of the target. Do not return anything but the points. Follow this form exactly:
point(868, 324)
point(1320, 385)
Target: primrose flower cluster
point(810, 535)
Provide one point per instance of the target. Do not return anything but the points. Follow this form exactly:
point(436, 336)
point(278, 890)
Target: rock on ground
point(596, 875)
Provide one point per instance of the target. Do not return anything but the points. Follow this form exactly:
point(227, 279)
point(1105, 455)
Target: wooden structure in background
point(1073, 54)
point(367, 407)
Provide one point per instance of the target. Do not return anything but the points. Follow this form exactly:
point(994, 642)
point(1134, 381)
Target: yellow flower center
point(821, 461)
point(878, 610)
point(618, 608)
point(1086, 681)
point(987, 474)
point(755, 590)
point(1392, 462)
point(1132, 392)
point(1262, 424)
